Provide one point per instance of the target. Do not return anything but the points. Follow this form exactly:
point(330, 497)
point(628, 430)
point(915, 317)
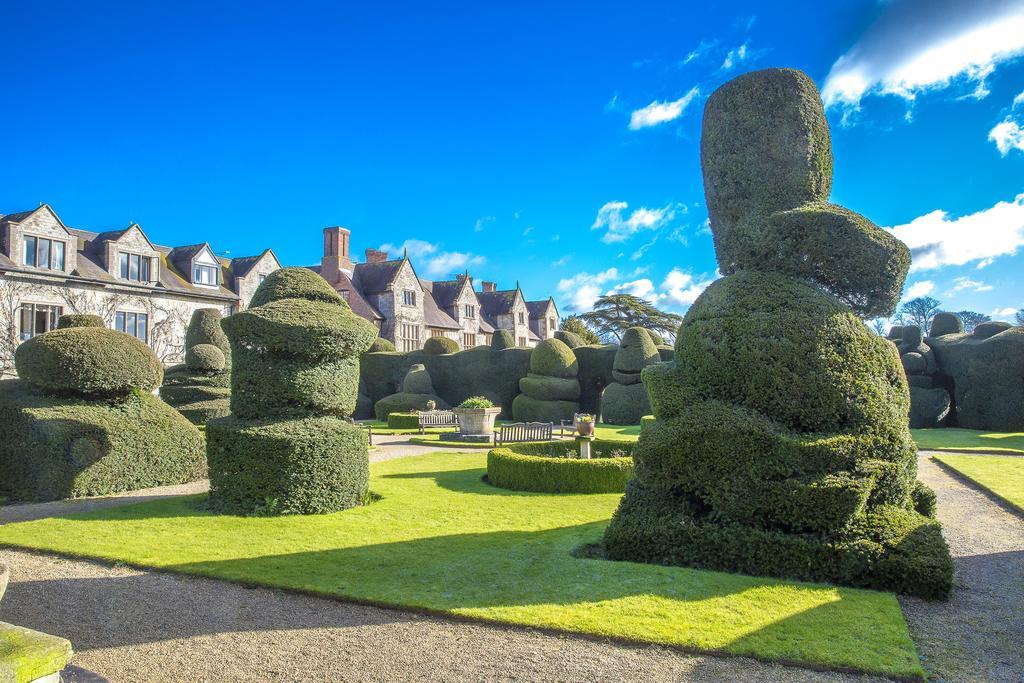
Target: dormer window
point(204, 275)
point(135, 267)
point(43, 253)
point(470, 311)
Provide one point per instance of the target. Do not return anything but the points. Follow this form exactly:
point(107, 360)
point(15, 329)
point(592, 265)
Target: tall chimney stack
point(376, 256)
point(489, 286)
point(335, 259)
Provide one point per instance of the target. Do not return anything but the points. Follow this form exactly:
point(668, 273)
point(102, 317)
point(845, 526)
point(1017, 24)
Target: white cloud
point(937, 240)
point(619, 227)
point(680, 288)
point(415, 248)
point(450, 261)
point(582, 289)
point(698, 51)
point(639, 253)
point(1008, 135)
point(642, 288)
point(1004, 314)
point(962, 283)
point(922, 288)
point(562, 261)
point(1018, 100)
point(657, 113)
point(482, 222)
point(528, 230)
point(734, 57)
point(921, 45)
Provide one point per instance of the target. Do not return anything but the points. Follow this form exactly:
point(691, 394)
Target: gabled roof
point(99, 238)
point(182, 257)
point(20, 216)
point(356, 301)
point(497, 303)
point(241, 265)
point(377, 276)
point(432, 313)
point(538, 309)
point(447, 292)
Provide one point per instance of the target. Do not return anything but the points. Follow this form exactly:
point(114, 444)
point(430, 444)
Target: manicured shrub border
point(542, 467)
point(403, 421)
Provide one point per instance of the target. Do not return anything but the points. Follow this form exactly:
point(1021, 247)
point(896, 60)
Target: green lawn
point(969, 440)
point(441, 540)
point(440, 440)
point(1001, 475)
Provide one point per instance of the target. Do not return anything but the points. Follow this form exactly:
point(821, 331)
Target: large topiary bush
point(79, 320)
point(380, 344)
point(82, 421)
point(551, 389)
point(502, 339)
point(781, 444)
point(625, 400)
point(440, 345)
point(207, 364)
point(286, 448)
point(417, 390)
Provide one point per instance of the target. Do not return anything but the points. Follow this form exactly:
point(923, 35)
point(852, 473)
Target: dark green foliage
point(295, 283)
point(88, 361)
point(404, 420)
point(548, 470)
point(381, 344)
point(204, 328)
point(613, 314)
point(553, 359)
point(79, 320)
point(303, 466)
point(666, 353)
point(53, 448)
point(439, 345)
point(575, 325)
point(781, 444)
point(550, 388)
point(656, 337)
point(624, 404)
point(205, 358)
point(476, 402)
point(528, 409)
point(501, 340)
point(636, 352)
point(924, 499)
point(569, 339)
point(595, 374)
point(403, 403)
point(945, 323)
point(189, 393)
point(265, 386)
point(987, 376)
point(767, 179)
point(646, 421)
point(990, 329)
point(929, 407)
point(200, 412)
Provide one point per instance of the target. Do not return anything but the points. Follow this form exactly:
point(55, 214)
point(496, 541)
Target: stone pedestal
point(585, 444)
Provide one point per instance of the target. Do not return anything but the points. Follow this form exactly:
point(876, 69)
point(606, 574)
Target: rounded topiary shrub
point(502, 339)
point(558, 468)
point(945, 323)
point(551, 389)
point(381, 345)
point(553, 358)
point(570, 339)
point(204, 358)
point(437, 346)
point(79, 320)
point(88, 361)
point(624, 404)
point(295, 283)
point(204, 328)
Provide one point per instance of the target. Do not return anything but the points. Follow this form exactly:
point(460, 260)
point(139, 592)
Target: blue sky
point(553, 143)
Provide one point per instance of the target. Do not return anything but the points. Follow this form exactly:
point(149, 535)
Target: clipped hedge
point(403, 420)
point(79, 320)
point(205, 358)
point(295, 283)
point(88, 361)
point(595, 363)
point(200, 412)
point(404, 403)
point(190, 393)
point(303, 466)
point(528, 409)
point(552, 472)
point(646, 421)
point(550, 388)
point(440, 345)
point(279, 386)
point(204, 328)
point(570, 339)
point(501, 340)
point(52, 448)
point(624, 404)
point(381, 344)
point(553, 358)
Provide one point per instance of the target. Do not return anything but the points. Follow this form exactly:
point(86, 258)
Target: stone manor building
point(408, 309)
point(147, 290)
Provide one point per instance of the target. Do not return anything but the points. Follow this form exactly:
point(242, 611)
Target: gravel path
point(979, 634)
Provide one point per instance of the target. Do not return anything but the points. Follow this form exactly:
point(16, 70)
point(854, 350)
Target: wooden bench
point(519, 432)
point(437, 418)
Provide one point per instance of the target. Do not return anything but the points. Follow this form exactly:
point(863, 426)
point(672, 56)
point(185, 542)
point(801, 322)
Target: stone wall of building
point(246, 286)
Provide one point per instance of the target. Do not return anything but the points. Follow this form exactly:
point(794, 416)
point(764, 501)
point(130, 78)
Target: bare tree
point(920, 311)
point(880, 326)
point(11, 294)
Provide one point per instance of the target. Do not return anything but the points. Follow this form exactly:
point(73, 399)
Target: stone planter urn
point(585, 428)
point(476, 421)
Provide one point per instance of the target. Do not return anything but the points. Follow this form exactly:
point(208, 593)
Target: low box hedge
point(404, 421)
point(52, 448)
point(556, 468)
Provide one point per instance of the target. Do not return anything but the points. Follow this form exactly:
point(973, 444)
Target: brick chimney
point(336, 257)
point(489, 286)
point(376, 256)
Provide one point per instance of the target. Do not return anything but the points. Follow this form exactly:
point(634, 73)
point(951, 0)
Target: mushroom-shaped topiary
point(437, 346)
point(294, 283)
point(204, 358)
point(780, 445)
point(199, 387)
point(551, 390)
point(381, 345)
point(625, 400)
point(501, 340)
point(79, 320)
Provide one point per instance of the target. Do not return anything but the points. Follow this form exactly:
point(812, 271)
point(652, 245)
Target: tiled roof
point(377, 276)
point(17, 217)
point(356, 301)
point(538, 309)
point(485, 326)
point(241, 266)
point(433, 314)
point(497, 303)
point(446, 292)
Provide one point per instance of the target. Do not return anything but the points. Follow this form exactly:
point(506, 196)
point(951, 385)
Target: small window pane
point(143, 327)
point(133, 267)
point(145, 270)
point(43, 253)
point(26, 321)
point(58, 256)
point(30, 251)
point(119, 321)
point(124, 266)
